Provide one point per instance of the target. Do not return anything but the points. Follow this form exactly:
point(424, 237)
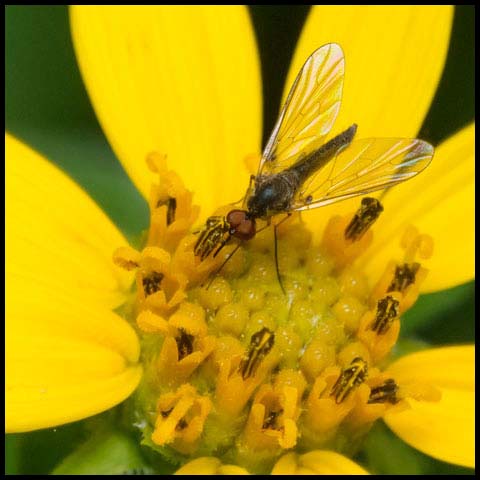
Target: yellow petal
point(317, 462)
point(444, 429)
point(394, 57)
point(64, 361)
point(181, 81)
point(209, 466)
point(34, 407)
point(56, 235)
point(440, 202)
point(67, 355)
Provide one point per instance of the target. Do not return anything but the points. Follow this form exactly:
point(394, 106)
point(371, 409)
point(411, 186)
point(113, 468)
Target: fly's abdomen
point(315, 160)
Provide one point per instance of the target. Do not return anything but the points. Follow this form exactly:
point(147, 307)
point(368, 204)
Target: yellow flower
point(185, 82)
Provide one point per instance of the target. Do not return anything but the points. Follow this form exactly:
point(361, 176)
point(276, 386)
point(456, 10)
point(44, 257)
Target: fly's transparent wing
point(362, 167)
point(309, 111)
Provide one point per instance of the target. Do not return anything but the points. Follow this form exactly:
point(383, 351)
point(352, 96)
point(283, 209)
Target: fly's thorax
point(273, 194)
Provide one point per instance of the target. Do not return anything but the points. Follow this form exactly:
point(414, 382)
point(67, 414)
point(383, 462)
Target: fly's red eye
point(236, 218)
point(242, 227)
point(246, 230)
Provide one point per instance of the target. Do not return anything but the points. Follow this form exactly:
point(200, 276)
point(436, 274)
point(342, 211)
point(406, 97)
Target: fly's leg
point(279, 277)
point(249, 190)
point(276, 259)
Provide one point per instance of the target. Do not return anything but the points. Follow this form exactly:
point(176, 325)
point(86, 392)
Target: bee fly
point(300, 171)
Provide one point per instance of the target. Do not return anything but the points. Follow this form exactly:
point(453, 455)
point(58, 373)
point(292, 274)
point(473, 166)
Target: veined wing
point(309, 112)
point(362, 167)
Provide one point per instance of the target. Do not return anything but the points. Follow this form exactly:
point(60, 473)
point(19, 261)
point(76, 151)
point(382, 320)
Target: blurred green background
point(47, 106)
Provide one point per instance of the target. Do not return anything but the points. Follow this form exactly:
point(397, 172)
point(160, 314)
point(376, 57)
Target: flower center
point(237, 369)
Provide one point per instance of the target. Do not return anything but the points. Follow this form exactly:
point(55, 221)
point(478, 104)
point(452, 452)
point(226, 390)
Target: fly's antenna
point(223, 264)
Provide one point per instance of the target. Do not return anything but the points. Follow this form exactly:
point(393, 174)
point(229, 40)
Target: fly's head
point(242, 224)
